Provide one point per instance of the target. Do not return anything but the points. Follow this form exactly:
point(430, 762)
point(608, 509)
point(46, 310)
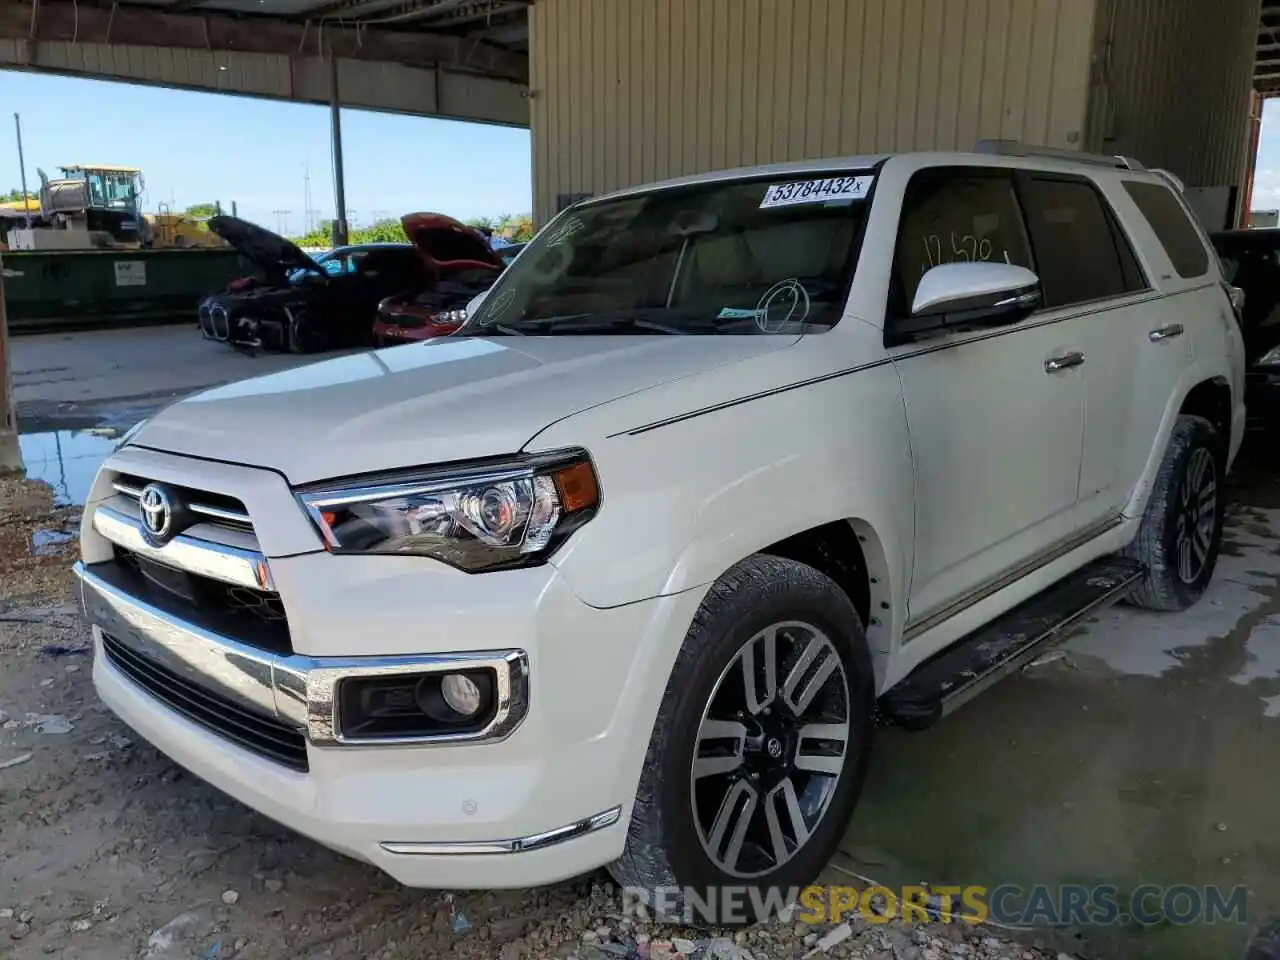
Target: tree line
point(516, 228)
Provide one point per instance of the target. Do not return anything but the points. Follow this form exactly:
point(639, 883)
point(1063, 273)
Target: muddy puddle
point(53, 542)
point(67, 460)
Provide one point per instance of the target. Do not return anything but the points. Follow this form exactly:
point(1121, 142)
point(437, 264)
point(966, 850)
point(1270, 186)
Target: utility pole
point(22, 171)
point(306, 196)
point(281, 220)
point(339, 185)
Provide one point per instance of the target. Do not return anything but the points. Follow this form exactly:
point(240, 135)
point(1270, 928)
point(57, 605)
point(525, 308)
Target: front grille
point(256, 732)
point(253, 617)
point(219, 322)
point(215, 508)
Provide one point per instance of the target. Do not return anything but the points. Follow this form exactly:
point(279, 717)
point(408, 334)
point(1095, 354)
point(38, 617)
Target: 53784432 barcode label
point(816, 191)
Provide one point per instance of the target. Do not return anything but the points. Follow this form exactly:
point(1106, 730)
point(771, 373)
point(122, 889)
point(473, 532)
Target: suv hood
point(270, 251)
point(435, 402)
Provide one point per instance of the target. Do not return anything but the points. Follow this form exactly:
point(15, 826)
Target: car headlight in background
point(1271, 358)
point(484, 516)
point(458, 317)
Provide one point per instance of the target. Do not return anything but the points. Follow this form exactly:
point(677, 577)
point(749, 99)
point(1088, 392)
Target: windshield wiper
point(614, 322)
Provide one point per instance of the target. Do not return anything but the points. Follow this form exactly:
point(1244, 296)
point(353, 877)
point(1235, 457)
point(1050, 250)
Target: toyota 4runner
point(720, 475)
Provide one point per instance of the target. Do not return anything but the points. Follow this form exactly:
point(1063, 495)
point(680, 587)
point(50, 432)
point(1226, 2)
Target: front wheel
point(759, 750)
point(301, 332)
point(1181, 531)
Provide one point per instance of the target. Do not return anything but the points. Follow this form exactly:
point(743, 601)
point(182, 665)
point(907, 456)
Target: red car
point(460, 264)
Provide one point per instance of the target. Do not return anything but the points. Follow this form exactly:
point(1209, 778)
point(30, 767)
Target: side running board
point(953, 677)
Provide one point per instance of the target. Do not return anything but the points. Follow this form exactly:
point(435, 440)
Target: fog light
point(416, 704)
point(461, 694)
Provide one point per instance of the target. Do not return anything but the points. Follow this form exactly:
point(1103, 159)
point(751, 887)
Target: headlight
point(1271, 358)
point(452, 316)
point(478, 517)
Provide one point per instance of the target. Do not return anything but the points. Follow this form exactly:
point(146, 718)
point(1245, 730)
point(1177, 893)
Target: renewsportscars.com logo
point(1068, 904)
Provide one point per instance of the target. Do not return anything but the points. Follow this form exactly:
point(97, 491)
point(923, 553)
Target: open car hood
point(446, 244)
point(268, 250)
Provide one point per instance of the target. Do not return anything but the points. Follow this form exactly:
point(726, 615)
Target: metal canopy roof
point(1266, 66)
point(485, 37)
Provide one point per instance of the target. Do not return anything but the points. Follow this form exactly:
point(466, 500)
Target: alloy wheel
point(770, 749)
point(1197, 514)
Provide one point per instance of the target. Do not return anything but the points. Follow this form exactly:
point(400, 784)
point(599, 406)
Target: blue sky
point(201, 147)
point(1266, 182)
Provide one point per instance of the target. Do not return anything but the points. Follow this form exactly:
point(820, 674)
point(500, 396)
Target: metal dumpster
point(72, 289)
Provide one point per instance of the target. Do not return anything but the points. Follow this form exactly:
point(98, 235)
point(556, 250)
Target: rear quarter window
point(1172, 226)
point(1080, 254)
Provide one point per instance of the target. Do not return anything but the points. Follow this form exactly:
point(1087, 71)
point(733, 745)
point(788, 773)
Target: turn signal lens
point(577, 487)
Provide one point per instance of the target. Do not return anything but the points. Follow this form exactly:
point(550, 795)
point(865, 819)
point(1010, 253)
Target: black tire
point(300, 336)
point(1167, 538)
point(664, 846)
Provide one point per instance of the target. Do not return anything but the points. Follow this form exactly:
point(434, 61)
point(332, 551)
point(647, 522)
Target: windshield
point(744, 256)
point(333, 263)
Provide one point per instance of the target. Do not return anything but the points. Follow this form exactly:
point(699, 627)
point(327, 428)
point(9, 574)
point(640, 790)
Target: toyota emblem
point(157, 513)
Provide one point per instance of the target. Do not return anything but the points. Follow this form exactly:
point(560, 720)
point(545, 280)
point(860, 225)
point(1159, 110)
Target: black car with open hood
point(1251, 262)
point(305, 304)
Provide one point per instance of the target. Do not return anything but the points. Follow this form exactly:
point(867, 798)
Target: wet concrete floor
point(1147, 753)
point(78, 393)
point(116, 377)
point(67, 460)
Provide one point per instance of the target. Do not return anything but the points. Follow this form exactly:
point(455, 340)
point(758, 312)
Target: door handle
point(1165, 333)
point(1064, 362)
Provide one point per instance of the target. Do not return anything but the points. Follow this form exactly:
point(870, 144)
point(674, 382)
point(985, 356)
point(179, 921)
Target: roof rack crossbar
point(1014, 148)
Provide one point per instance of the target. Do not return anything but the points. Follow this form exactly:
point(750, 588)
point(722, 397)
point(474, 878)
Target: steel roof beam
point(60, 20)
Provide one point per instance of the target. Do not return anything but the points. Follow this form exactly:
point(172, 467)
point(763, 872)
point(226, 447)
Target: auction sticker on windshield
point(816, 191)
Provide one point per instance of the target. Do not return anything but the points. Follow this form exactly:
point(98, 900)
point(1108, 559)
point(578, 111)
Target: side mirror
point(970, 296)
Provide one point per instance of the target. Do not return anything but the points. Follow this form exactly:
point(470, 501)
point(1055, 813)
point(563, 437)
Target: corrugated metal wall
point(627, 91)
point(1172, 83)
point(363, 83)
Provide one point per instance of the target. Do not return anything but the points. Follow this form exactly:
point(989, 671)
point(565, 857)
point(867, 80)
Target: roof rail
point(1172, 179)
point(1013, 148)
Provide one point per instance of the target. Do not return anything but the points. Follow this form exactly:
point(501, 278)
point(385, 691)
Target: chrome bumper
point(298, 690)
point(227, 564)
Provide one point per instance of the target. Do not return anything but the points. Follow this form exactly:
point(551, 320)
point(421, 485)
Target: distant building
point(1264, 218)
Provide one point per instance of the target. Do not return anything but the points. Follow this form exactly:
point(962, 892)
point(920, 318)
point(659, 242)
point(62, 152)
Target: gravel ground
point(108, 850)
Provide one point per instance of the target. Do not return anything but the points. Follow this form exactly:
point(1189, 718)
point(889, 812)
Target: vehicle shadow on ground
point(1141, 753)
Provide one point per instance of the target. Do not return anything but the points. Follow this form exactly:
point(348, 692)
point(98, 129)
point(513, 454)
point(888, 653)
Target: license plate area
point(177, 582)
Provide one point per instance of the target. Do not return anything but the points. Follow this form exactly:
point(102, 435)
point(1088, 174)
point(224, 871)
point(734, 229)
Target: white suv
point(720, 473)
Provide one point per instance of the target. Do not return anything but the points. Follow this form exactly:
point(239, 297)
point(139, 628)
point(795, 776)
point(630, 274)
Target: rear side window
point(1177, 234)
point(1080, 253)
point(956, 217)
